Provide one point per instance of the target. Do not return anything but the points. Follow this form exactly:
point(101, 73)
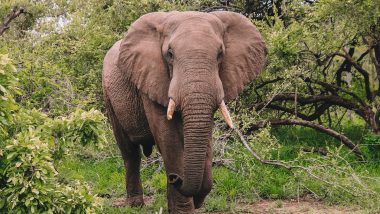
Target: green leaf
point(2, 88)
point(11, 155)
point(35, 191)
point(2, 203)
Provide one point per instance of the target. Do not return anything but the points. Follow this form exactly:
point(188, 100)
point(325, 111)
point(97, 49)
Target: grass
point(106, 177)
point(232, 187)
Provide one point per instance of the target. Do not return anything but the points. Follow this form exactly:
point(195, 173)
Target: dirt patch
point(291, 207)
point(265, 206)
point(122, 201)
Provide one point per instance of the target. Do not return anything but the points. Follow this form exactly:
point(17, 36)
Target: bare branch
point(328, 99)
point(345, 66)
point(281, 163)
point(364, 54)
point(317, 113)
point(16, 11)
point(257, 156)
point(264, 83)
point(362, 71)
point(333, 133)
point(334, 88)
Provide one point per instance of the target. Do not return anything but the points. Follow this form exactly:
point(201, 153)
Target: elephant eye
point(220, 55)
point(170, 55)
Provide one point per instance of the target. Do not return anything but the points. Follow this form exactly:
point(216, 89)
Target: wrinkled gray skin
point(197, 59)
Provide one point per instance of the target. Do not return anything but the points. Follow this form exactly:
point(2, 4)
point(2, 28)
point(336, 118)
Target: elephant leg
point(207, 180)
point(132, 159)
point(169, 140)
point(133, 182)
point(172, 154)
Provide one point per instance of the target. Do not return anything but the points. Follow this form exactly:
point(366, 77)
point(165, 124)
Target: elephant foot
point(134, 201)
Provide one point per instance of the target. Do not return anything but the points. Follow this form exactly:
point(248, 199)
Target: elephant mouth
point(222, 108)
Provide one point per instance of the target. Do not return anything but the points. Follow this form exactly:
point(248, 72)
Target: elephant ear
point(245, 53)
point(141, 60)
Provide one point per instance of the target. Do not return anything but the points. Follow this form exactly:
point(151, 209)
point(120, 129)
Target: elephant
point(163, 82)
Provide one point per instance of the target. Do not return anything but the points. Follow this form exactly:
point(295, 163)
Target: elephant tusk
point(226, 114)
point(171, 108)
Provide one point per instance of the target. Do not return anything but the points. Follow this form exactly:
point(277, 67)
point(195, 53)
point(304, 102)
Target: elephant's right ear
point(141, 60)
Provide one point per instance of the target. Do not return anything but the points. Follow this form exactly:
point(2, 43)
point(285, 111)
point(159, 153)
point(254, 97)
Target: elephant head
point(192, 62)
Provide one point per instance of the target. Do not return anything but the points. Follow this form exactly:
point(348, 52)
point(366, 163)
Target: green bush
point(31, 184)
point(7, 90)
point(30, 144)
point(372, 142)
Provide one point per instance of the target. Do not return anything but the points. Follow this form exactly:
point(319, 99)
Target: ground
point(265, 206)
point(291, 207)
point(257, 189)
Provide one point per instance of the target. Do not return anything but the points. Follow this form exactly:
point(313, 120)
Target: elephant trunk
point(197, 114)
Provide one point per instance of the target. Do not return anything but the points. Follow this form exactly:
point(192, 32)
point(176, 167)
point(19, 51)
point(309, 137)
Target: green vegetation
point(242, 181)
point(57, 153)
point(31, 143)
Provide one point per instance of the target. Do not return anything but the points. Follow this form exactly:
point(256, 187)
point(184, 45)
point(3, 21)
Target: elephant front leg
point(169, 140)
point(132, 163)
point(132, 160)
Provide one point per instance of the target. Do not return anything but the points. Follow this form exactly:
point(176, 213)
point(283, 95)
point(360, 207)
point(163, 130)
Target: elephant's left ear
point(245, 53)
point(140, 57)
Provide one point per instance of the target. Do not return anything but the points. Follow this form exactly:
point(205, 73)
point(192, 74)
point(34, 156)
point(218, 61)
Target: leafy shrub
point(7, 90)
point(372, 141)
point(31, 184)
point(80, 127)
point(30, 143)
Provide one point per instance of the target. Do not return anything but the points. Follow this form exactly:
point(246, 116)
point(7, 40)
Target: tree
point(322, 63)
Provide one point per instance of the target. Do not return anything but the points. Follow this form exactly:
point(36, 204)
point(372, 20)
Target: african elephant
point(162, 84)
